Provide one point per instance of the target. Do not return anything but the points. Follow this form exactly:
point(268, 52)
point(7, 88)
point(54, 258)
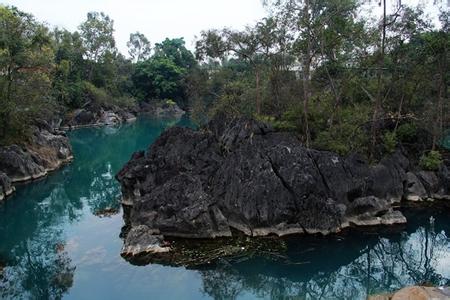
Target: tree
point(245, 45)
point(163, 75)
point(158, 78)
point(138, 47)
point(318, 29)
point(26, 63)
point(175, 50)
point(69, 67)
point(97, 36)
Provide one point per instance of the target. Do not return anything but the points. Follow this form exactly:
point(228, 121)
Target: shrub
point(94, 94)
point(326, 141)
point(407, 132)
point(390, 141)
point(124, 102)
point(431, 160)
point(170, 102)
point(346, 134)
point(281, 125)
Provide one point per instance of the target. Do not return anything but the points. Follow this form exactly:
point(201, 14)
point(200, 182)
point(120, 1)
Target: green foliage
point(390, 141)
point(280, 125)
point(138, 47)
point(158, 78)
point(236, 99)
point(175, 51)
point(170, 102)
point(94, 95)
point(274, 71)
point(407, 132)
point(97, 35)
point(347, 134)
point(99, 97)
point(164, 75)
point(26, 59)
point(431, 160)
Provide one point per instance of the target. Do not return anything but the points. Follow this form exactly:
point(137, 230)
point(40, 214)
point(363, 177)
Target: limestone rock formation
point(238, 174)
point(45, 151)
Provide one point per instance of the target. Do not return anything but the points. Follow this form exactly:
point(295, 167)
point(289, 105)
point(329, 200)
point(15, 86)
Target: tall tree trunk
point(399, 113)
point(7, 105)
point(439, 123)
point(258, 93)
point(337, 98)
point(306, 74)
point(379, 97)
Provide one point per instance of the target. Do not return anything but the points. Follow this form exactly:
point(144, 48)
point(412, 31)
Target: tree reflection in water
point(34, 222)
point(351, 266)
point(37, 266)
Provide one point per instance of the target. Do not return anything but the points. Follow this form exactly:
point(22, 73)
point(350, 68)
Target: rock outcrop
point(93, 116)
point(241, 175)
point(416, 293)
point(161, 109)
point(44, 152)
point(6, 187)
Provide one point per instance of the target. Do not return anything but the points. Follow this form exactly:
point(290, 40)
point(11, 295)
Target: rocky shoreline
point(47, 150)
point(241, 176)
point(92, 116)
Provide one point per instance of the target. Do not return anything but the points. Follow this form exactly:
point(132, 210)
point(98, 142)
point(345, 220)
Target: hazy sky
point(157, 19)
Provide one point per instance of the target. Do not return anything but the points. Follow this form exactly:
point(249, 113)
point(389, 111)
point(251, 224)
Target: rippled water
point(53, 243)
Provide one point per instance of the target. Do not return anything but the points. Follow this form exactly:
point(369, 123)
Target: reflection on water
point(54, 246)
point(349, 266)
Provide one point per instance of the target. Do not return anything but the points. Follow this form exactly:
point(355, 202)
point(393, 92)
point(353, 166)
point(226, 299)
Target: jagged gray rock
point(239, 174)
point(414, 189)
point(141, 239)
point(161, 109)
point(97, 116)
point(19, 164)
point(44, 152)
point(6, 187)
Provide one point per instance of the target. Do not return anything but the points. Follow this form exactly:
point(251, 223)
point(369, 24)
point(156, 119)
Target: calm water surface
point(54, 245)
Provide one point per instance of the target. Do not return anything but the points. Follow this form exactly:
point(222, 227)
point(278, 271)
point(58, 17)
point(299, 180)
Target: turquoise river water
point(54, 244)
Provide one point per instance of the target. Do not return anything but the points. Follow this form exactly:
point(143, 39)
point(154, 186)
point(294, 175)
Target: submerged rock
point(241, 175)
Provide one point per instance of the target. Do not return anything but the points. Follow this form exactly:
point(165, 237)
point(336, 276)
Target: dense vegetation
point(343, 83)
point(46, 71)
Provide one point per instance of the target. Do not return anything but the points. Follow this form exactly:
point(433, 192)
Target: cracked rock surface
point(46, 151)
point(240, 174)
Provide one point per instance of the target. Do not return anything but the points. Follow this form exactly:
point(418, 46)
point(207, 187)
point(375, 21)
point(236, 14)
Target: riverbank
point(94, 116)
point(45, 151)
point(49, 148)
